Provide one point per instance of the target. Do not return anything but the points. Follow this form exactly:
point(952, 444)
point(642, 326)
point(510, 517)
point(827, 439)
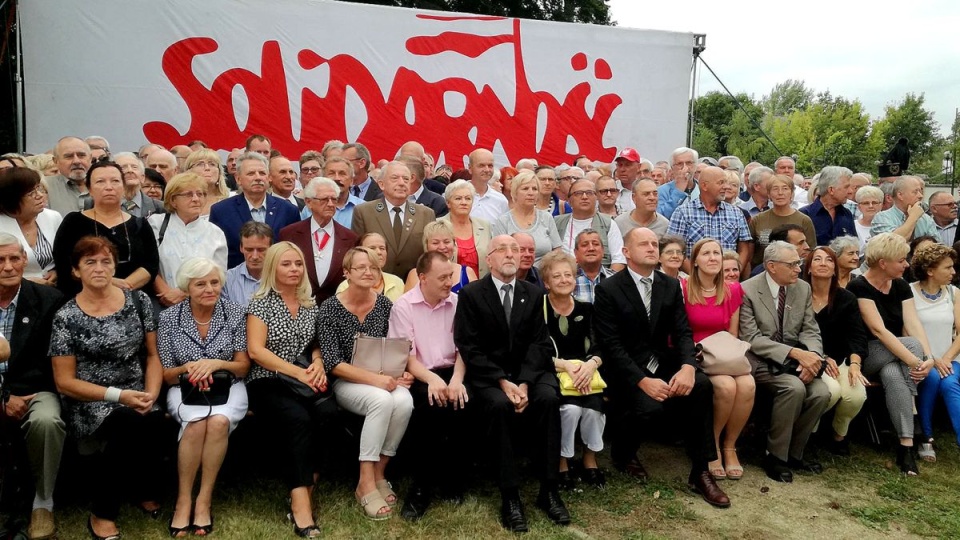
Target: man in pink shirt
point(424, 315)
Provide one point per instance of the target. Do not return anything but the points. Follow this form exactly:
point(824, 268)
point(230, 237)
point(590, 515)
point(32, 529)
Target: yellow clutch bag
point(568, 389)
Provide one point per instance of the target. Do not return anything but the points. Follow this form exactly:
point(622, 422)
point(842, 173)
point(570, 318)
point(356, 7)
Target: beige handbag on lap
point(384, 356)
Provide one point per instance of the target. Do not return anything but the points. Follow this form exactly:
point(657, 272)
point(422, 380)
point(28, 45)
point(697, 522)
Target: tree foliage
point(575, 11)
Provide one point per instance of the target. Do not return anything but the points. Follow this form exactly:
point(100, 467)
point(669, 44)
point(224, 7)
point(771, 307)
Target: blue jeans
point(930, 388)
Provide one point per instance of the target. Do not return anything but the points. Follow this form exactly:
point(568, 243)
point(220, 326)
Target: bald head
point(481, 168)
point(164, 162)
point(412, 149)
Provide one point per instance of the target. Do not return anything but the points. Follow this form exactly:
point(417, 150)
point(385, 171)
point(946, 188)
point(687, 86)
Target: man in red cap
point(627, 172)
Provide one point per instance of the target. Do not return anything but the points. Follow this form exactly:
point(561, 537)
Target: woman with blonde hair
point(525, 217)
point(281, 335)
point(389, 285)
point(206, 163)
point(438, 236)
point(713, 305)
point(731, 266)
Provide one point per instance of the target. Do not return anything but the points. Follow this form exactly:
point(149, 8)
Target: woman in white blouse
point(182, 235)
point(22, 215)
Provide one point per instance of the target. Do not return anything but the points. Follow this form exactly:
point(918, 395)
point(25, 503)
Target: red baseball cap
point(629, 154)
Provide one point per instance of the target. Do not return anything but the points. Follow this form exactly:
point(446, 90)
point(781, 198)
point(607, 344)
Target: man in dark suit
point(283, 180)
point(33, 406)
point(503, 340)
point(398, 220)
point(322, 240)
point(364, 186)
point(418, 192)
point(648, 352)
point(252, 204)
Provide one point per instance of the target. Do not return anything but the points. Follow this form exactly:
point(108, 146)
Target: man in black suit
point(418, 192)
point(511, 377)
point(364, 186)
point(33, 406)
point(641, 324)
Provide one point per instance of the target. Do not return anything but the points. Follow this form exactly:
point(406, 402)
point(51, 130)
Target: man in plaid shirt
point(590, 272)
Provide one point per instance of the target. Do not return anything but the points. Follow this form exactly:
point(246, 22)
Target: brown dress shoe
point(41, 524)
point(704, 484)
point(634, 468)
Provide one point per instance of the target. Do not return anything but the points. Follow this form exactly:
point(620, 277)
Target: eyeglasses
point(948, 205)
point(323, 200)
point(365, 269)
point(584, 193)
point(205, 165)
point(607, 191)
point(309, 170)
point(37, 192)
point(191, 194)
point(149, 187)
point(570, 178)
point(796, 264)
point(672, 252)
point(504, 249)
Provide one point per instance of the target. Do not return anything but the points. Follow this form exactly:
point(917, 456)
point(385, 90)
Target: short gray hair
point(872, 193)
point(131, 155)
point(310, 190)
point(843, 243)
point(195, 268)
point(7, 239)
point(774, 249)
point(830, 176)
point(250, 156)
point(901, 183)
point(758, 174)
point(734, 162)
point(362, 152)
point(681, 151)
point(106, 143)
point(645, 161)
point(457, 185)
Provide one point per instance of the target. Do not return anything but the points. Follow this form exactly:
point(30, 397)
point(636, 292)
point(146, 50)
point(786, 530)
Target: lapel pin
point(380, 207)
point(522, 300)
point(26, 320)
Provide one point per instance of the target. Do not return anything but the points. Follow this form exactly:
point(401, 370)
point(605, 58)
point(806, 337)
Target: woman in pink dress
point(713, 305)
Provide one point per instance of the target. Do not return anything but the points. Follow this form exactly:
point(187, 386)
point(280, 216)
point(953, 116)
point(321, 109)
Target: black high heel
point(175, 532)
point(906, 461)
point(96, 536)
point(203, 530)
point(310, 531)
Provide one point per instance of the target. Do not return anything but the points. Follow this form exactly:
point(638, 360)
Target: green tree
point(908, 118)
point(576, 11)
point(705, 141)
point(787, 97)
point(715, 111)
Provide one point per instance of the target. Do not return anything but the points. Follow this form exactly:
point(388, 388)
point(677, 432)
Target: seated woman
point(137, 263)
point(916, 244)
point(282, 325)
point(438, 236)
point(104, 354)
point(890, 314)
point(23, 215)
point(197, 337)
point(570, 324)
point(182, 234)
point(938, 308)
point(847, 254)
point(673, 251)
point(389, 285)
point(713, 305)
point(731, 267)
point(383, 401)
point(844, 341)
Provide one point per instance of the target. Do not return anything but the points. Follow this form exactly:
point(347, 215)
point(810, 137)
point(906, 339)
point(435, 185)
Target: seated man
point(503, 339)
point(641, 324)
point(424, 315)
point(244, 279)
point(590, 271)
point(26, 316)
point(777, 319)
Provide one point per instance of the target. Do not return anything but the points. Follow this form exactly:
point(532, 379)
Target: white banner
point(303, 72)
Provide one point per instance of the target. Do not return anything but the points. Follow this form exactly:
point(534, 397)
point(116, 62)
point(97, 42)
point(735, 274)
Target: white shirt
point(416, 195)
point(322, 259)
point(568, 236)
point(636, 280)
point(391, 213)
point(774, 290)
point(513, 291)
point(490, 205)
point(199, 238)
point(625, 199)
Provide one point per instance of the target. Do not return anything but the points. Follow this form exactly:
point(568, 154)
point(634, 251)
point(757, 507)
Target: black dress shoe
point(512, 516)
point(704, 484)
point(807, 465)
point(777, 469)
point(565, 481)
point(551, 503)
point(595, 478)
point(416, 503)
point(634, 468)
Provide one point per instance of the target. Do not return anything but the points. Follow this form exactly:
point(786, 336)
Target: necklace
point(706, 290)
point(202, 323)
point(931, 297)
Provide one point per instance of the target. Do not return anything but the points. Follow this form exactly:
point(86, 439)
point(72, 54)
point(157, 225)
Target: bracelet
point(112, 394)
point(597, 361)
point(852, 363)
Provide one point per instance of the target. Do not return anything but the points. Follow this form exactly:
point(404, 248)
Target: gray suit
point(796, 407)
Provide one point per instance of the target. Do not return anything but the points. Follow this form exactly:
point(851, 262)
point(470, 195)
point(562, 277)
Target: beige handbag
point(723, 354)
point(381, 355)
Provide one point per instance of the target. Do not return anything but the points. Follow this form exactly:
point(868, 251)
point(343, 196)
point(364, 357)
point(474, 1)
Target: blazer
point(147, 209)
point(481, 240)
point(231, 213)
point(48, 221)
point(492, 349)
point(372, 216)
point(629, 339)
point(29, 369)
point(343, 240)
point(758, 320)
point(373, 192)
point(434, 202)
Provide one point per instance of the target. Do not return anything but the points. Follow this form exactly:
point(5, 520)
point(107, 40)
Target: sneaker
point(927, 453)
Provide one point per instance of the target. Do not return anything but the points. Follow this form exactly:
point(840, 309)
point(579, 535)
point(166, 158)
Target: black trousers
point(296, 423)
point(693, 412)
point(540, 422)
point(130, 463)
point(436, 439)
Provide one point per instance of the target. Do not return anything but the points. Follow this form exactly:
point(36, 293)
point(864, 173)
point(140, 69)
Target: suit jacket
point(520, 352)
point(29, 369)
point(231, 213)
point(343, 240)
point(435, 185)
point(373, 192)
point(481, 239)
point(434, 202)
point(373, 216)
point(148, 207)
point(758, 320)
point(629, 339)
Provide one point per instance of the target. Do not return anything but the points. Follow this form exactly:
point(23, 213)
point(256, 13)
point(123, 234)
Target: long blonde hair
point(695, 288)
point(268, 280)
point(221, 192)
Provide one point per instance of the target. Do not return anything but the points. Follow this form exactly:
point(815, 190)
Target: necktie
point(647, 292)
point(507, 301)
point(356, 191)
point(397, 224)
point(781, 305)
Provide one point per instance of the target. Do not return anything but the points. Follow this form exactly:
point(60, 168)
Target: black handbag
point(216, 393)
point(298, 388)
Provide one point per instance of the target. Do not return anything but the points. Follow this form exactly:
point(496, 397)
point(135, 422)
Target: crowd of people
point(507, 309)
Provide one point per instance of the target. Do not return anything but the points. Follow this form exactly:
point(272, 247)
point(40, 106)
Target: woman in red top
point(713, 305)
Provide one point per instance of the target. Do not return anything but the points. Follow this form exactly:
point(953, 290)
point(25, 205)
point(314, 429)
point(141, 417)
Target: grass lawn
point(863, 496)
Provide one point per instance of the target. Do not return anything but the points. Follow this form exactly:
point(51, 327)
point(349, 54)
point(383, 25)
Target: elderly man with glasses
point(583, 201)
